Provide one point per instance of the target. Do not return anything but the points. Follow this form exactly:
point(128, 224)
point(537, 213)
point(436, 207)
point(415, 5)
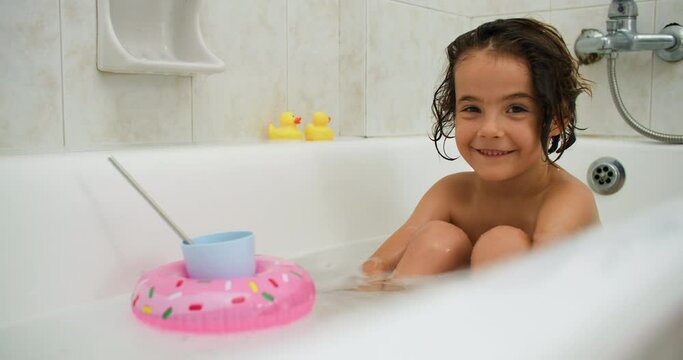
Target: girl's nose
point(490, 127)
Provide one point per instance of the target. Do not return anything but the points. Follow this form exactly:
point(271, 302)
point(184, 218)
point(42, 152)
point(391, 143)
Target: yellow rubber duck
point(287, 129)
point(318, 130)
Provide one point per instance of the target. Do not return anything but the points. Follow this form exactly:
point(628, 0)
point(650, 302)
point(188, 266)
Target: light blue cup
point(220, 256)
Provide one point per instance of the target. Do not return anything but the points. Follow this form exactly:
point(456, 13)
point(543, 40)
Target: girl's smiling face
point(496, 115)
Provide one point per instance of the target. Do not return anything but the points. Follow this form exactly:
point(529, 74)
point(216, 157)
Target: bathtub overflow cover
point(606, 175)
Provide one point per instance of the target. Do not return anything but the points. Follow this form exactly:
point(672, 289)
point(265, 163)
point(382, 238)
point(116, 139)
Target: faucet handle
point(674, 53)
point(622, 8)
point(588, 46)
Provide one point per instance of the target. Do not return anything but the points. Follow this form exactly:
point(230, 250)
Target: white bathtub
point(76, 236)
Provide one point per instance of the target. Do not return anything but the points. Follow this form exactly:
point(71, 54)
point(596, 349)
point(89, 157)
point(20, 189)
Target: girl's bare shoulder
point(437, 202)
point(566, 184)
point(449, 189)
point(457, 184)
point(567, 207)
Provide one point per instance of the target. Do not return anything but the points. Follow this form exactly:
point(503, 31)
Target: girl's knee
point(441, 237)
point(498, 243)
point(436, 247)
point(506, 232)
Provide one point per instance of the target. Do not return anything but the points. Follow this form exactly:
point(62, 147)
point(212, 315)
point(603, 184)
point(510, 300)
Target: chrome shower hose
point(616, 97)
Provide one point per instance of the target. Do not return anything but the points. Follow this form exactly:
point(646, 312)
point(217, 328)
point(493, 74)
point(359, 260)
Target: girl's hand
point(373, 266)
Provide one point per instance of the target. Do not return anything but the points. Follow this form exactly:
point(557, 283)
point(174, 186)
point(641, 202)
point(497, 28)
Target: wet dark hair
point(555, 77)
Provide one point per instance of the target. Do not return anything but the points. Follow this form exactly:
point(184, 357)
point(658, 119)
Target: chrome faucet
point(622, 35)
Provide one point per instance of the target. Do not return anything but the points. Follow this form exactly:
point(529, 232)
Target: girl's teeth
point(493, 152)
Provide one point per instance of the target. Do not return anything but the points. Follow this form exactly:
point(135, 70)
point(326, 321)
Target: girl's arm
point(434, 205)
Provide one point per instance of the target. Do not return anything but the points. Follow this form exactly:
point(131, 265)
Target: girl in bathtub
point(509, 100)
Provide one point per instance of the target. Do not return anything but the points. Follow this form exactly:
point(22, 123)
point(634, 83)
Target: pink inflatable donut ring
point(277, 294)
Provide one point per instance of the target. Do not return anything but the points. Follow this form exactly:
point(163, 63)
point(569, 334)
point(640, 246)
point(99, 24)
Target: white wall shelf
point(152, 37)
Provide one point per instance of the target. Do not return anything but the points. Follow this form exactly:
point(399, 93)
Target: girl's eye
point(470, 109)
point(516, 109)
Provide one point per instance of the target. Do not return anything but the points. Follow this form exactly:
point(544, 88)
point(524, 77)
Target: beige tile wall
point(30, 80)
point(352, 67)
point(371, 64)
point(667, 81)
point(405, 63)
point(313, 47)
point(251, 38)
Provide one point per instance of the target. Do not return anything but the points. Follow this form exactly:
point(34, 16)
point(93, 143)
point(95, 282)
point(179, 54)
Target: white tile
point(30, 63)
point(568, 4)
point(667, 85)
point(543, 16)
point(352, 50)
point(104, 109)
point(482, 7)
point(313, 70)
point(251, 38)
point(598, 113)
point(457, 7)
point(498, 7)
point(405, 65)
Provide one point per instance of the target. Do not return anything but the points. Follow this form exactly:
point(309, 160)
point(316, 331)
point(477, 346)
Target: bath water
point(342, 287)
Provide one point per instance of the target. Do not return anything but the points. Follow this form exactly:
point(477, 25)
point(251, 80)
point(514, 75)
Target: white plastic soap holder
point(152, 37)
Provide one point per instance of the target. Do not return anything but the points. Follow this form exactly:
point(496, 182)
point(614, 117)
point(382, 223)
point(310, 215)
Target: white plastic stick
point(151, 201)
